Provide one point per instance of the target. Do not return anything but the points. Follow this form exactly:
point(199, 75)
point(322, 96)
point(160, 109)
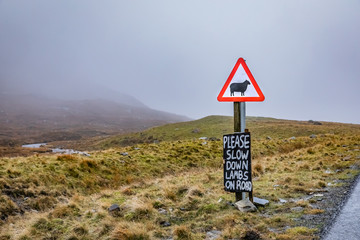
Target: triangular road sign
point(240, 86)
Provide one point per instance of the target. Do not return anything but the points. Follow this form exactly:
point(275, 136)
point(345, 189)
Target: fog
point(175, 56)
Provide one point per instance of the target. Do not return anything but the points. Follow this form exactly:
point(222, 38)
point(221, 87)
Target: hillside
point(30, 118)
point(172, 188)
point(216, 126)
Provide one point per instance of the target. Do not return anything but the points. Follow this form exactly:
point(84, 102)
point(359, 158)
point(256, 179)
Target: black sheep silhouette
point(239, 87)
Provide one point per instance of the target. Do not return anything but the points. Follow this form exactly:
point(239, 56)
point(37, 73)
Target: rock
point(136, 148)
point(315, 122)
point(214, 139)
point(196, 130)
point(156, 141)
point(203, 138)
point(268, 138)
point(230, 204)
point(292, 138)
point(282, 200)
point(312, 136)
point(204, 143)
point(347, 158)
point(162, 211)
point(260, 202)
point(354, 166)
point(319, 197)
point(212, 235)
point(165, 224)
point(297, 209)
point(114, 208)
point(245, 206)
point(124, 153)
point(308, 217)
point(306, 198)
point(220, 200)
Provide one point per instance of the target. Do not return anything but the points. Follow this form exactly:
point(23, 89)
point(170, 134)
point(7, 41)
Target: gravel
point(332, 201)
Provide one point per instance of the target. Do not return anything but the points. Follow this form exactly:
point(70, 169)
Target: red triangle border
point(261, 96)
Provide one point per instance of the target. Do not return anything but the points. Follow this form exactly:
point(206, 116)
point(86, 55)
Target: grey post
point(239, 126)
point(242, 129)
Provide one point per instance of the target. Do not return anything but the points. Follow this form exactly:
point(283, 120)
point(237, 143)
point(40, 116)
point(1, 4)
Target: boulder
point(245, 206)
point(212, 235)
point(114, 208)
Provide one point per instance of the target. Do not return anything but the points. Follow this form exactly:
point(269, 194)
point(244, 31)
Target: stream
point(56, 150)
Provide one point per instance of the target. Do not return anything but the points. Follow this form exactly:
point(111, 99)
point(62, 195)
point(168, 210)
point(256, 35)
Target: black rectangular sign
point(237, 162)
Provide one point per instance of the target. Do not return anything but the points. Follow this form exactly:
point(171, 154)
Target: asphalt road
point(347, 224)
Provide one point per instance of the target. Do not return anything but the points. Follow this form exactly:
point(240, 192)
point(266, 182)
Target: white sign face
point(240, 85)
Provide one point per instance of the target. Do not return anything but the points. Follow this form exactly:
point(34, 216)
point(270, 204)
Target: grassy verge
point(173, 189)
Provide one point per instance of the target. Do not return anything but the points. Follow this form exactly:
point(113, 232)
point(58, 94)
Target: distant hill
point(33, 118)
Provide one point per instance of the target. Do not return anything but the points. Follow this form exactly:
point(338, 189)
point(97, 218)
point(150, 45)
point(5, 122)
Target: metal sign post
point(239, 126)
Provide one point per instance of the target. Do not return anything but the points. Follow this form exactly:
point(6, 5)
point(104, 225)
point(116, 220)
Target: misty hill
point(37, 118)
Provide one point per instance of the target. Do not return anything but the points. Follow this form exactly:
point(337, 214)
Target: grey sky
point(176, 55)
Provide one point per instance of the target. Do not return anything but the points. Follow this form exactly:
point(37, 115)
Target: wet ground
point(347, 224)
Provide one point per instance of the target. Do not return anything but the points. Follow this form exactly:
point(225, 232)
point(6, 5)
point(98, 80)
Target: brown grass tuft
point(170, 194)
point(7, 207)
point(322, 184)
point(304, 166)
point(88, 164)
point(195, 191)
point(133, 231)
point(182, 232)
point(314, 211)
point(42, 203)
point(80, 231)
point(65, 211)
point(67, 157)
point(257, 169)
point(128, 191)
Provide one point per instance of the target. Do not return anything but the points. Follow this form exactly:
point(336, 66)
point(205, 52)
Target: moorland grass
point(174, 188)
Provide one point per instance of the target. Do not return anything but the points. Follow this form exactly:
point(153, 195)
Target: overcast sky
point(176, 55)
